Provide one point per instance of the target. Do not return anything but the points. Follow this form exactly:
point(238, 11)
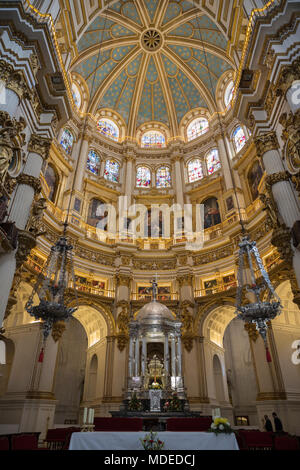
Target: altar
point(173, 441)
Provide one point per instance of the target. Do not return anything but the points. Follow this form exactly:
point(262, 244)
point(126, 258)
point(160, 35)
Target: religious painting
point(95, 216)
point(153, 225)
point(229, 281)
point(164, 293)
point(51, 180)
point(254, 178)
point(77, 204)
point(210, 286)
point(144, 293)
point(229, 203)
point(212, 215)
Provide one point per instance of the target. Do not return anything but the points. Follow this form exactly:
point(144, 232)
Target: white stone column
point(9, 100)
point(130, 358)
point(83, 152)
point(137, 357)
point(284, 195)
point(224, 162)
point(166, 354)
point(129, 184)
point(19, 211)
point(173, 358)
point(178, 181)
point(179, 357)
point(144, 355)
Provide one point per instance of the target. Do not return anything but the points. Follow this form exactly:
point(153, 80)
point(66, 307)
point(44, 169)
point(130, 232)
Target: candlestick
point(85, 415)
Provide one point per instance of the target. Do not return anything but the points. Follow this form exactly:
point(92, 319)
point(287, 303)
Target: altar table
point(172, 440)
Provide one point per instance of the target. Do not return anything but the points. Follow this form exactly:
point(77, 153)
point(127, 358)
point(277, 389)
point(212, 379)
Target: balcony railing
point(160, 297)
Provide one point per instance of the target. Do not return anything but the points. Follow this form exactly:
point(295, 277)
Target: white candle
point(93, 415)
point(84, 415)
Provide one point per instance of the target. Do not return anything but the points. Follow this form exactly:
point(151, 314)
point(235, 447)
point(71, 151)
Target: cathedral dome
point(154, 313)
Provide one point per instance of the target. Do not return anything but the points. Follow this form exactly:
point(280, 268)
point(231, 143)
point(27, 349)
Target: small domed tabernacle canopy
point(154, 312)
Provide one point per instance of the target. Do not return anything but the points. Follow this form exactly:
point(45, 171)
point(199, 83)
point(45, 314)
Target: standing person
point(277, 423)
point(268, 424)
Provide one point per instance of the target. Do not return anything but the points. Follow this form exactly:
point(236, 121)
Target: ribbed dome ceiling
point(152, 65)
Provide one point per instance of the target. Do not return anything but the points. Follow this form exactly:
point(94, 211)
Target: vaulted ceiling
point(152, 61)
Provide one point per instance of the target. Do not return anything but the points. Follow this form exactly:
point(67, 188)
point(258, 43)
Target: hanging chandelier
point(58, 277)
point(258, 312)
point(51, 287)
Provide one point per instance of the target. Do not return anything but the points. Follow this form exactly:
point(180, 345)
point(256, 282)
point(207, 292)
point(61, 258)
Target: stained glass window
point(76, 96)
point(93, 162)
point(143, 177)
point(111, 172)
point(67, 141)
point(198, 127)
point(163, 177)
point(195, 170)
point(213, 161)
point(228, 93)
point(153, 139)
point(108, 128)
point(239, 138)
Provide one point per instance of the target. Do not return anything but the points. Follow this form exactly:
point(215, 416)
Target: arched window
point(212, 215)
point(112, 170)
point(96, 214)
point(67, 141)
point(163, 177)
point(76, 95)
point(228, 93)
point(93, 162)
point(213, 161)
point(51, 180)
point(153, 139)
point(198, 127)
point(109, 129)
point(254, 178)
point(239, 138)
point(143, 177)
point(195, 170)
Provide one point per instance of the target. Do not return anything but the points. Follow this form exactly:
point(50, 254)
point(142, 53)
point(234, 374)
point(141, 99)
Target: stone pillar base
point(31, 415)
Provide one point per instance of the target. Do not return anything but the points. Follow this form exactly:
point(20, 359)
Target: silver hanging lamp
point(257, 312)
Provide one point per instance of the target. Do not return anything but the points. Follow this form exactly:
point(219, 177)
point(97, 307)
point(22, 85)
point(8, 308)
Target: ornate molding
point(276, 178)
point(291, 135)
point(123, 280)
point(185, 280)
point(14, 80)
point(26, 242)
point(39, 145)
point(58, 329)
point(32, 181)
point(287, 76)
point(252, 331)
point(11, 140)
point(123, 324)
point(266, 142)
point(281, 238)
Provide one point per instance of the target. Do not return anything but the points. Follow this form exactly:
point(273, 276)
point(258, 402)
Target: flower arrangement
point(135, 404)
point(155, 386)
point(151, 442)
point(221, 426)
point(174, 404)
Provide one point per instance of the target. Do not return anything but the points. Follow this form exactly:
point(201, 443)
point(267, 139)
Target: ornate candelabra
point(258, 312)
point(51, 287)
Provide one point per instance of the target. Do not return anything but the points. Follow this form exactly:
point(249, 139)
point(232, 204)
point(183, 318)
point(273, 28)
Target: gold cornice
point(98, 186)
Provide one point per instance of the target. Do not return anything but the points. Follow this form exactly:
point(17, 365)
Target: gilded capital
point(123, 280)
point(30, 181)
point(276, 178)
point(40, 145)
point(185, 280)
point(288, 75)
point(266, 142)
point(14, 80)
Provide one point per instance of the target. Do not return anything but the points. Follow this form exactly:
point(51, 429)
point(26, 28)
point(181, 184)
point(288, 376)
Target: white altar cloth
point(172, 440)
